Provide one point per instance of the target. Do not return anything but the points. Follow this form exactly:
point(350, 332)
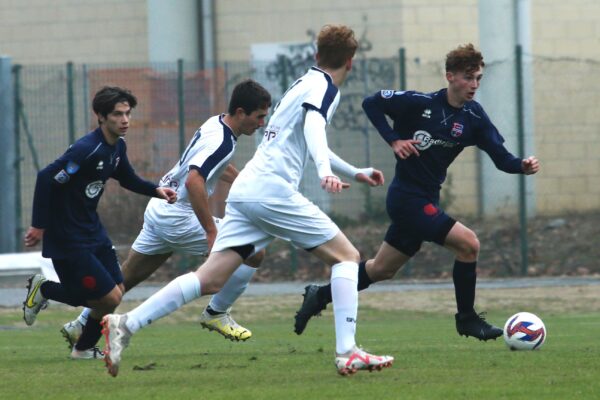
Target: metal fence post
point(521, 139)
point(8, 161)
point(180, 106)
point(70, 102)
point(402, 67)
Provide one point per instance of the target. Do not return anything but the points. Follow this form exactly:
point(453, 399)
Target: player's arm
point(229, 174)
point(196, 187)
point(128, 179)
point(492, 142)
point(370, 176)
point(376, 108)
point(316, 141)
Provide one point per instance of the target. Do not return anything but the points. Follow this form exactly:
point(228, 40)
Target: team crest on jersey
point(62, 177)
point(72, 167)
point(457, 129)
point(93, 189)
point(426, 113)
point(386, 94)
point(100, 165)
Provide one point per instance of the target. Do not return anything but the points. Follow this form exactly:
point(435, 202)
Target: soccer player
point(264, 203)
point(188, 225)
point(429, 131)
point(66, 197)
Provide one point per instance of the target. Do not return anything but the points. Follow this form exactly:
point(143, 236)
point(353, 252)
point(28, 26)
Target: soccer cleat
point(35, 301)
point(225, 325)
point(71, 332)
point(473, 324)
point(311, 306)
point(89, 354)
point(358, 359)
point(117, 339)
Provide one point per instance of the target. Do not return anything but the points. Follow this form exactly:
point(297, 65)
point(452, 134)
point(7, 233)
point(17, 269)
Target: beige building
point(565, 53)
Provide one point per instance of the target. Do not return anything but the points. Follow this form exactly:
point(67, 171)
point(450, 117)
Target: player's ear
point(449, 76)
point(349, 65)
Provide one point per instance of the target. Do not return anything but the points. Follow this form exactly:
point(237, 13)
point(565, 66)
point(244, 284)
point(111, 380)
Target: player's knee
point(113, 299)
point(469, 249)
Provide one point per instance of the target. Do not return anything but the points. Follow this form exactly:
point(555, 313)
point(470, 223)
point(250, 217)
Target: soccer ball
point(524, 331)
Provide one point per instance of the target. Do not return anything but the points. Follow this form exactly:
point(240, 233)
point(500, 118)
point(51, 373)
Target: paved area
point(14, 296)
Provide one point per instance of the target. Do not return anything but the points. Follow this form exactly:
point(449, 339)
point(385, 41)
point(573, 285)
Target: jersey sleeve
point(322, 99)
point(127, 177)
point(491, 141)
point(386, 103)
point(56, 174)
point(210, 157)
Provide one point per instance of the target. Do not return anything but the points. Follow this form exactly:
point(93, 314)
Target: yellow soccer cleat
point(225, 325)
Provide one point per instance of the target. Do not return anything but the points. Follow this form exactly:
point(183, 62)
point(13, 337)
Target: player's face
point(116, 123)
point(251, 122)
point(462, 86)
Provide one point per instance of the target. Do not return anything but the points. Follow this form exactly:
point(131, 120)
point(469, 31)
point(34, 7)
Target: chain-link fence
point(53, 109)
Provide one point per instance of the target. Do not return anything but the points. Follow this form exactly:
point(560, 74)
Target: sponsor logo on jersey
point(62, 176)
point(93, 189)
point(426, 113)
point(457, 129)
point(386, 94)
point(427, 141)
point(100, 165)
point(72, 167)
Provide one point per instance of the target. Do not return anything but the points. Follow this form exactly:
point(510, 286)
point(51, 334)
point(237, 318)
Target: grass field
point(176, 359)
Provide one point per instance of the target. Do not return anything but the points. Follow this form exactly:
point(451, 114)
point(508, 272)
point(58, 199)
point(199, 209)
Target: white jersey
point(274, 172)
point(208, 152)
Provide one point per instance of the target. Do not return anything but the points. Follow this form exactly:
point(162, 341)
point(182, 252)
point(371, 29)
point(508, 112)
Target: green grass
point(432, 361)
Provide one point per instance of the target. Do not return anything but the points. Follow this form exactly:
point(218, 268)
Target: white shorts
point(299, 221)
point(156, 239)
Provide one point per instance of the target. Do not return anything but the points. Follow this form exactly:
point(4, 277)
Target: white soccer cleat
point(358, 359)
point(117, 339)
point(225, 325)
point(71, 332)
point(35, 301)
point(90, 354)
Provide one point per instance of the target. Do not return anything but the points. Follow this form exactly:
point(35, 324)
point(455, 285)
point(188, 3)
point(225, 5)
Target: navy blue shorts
point(416, 218)
point(89, 274)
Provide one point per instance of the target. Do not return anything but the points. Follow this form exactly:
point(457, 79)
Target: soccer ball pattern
point(524, 331)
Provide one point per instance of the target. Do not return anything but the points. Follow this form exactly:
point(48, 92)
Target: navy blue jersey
point(444, 131)
point(68, 190)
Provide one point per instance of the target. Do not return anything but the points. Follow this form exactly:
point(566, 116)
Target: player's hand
point(375, 179)
point(405, 148)
point(530, 165)
point(210, 240)
point(333, 184)
point(33, 236)
point(167, 193)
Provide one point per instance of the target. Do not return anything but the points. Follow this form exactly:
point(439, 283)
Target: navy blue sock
point(464, 275)
point(92, 331)
point(55, 291)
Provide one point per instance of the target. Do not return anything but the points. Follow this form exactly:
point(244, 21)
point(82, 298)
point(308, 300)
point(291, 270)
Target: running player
point(188, 225)
point(429, 132)
point(264, 203)
point(64, 214)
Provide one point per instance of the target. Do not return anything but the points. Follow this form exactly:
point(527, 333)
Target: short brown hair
point(336, 45)
point(464, 58)
point(250, 96)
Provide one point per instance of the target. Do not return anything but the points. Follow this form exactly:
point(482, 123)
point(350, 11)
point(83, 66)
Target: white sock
point(233, 288)
point(178, 292)
point(344, 278)
point(83, 317)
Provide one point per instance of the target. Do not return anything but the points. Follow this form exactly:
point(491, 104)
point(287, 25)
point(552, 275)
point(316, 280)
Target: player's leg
point(216, 316)
point(390, 257)
point(118, 329)
point(343, 257)
point(463, 242)
point(103, 289)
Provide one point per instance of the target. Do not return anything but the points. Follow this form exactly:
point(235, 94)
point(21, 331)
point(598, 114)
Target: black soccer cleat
point(473, 324)
point(311, 306)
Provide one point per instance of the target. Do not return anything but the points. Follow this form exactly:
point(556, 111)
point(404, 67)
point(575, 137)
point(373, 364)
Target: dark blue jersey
point(444, 131)
point(68, 190)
